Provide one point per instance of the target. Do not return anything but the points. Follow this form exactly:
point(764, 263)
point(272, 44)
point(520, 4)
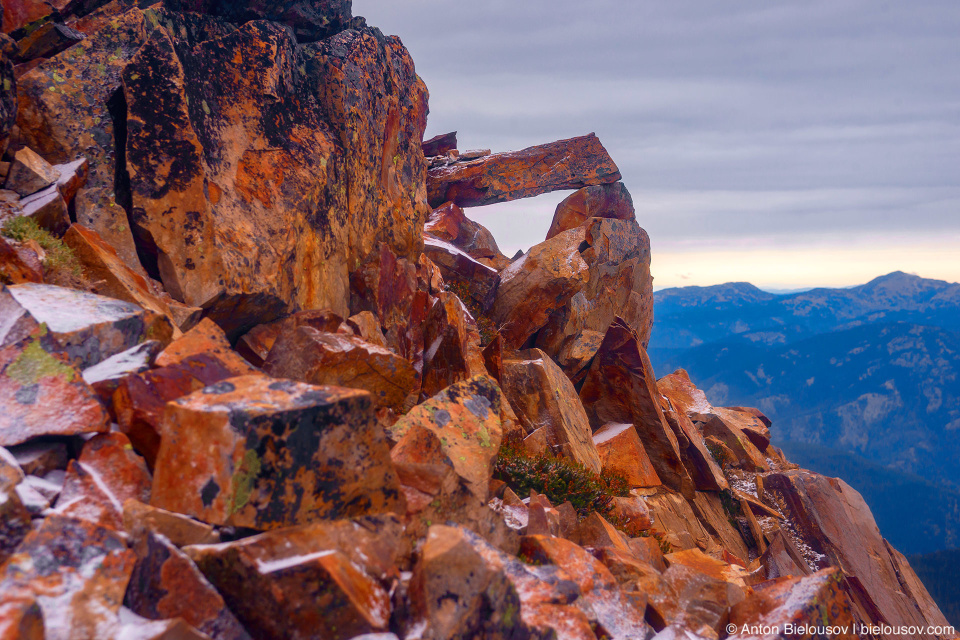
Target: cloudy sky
point(788, 144)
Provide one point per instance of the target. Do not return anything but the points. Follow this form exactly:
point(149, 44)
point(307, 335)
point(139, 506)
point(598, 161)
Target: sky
point(787, 144)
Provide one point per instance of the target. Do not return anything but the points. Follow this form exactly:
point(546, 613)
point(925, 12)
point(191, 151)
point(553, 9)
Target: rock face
point(278, 453)
point(565, 164)
point(270, 225)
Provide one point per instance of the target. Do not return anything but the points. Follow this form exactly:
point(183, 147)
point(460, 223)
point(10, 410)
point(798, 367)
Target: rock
point(619, 285)
point(475, 278)
point(565, 164)
point(21, 619)
point(782, 559)
point(291, 582)
point(451, 346)
point(48, 209)
point(718, 569)
point(90, 328)
point(724, 426)
point(166, 584)
point(757, 432)
point(622, 453)
point(106, 376)
point(114, 278)
point(76, 570)
point(365, 326)
point(310, 21)
point(140, 399)
point(632, 514)
point(674, 516)
point(97, 210)
point(177, 528)
point(10, 472)
point(595, 531)
point(700, 463)
point(30, 173)
point(38, 458)
point(838, 529)
point(463, 587)
point(48, 40)
point(464, 420)
point(386, 285)
point(440, 144)
point(693, 601)
point(340, 172)
point(255, 345)
point(620, 387)
point(73, 177)
point(721, 515)
point(536, 285)
point(448, 223)
point(629, 570)
point(14, 520)
point(544, 397)
point(106, 474)
point(208, 339)
point(307, 355)
point(598, 201)
point(130, 626)
point(615, 616)
point(14, 269)
point(280, 453)
point(815, 601)
point(42, 392)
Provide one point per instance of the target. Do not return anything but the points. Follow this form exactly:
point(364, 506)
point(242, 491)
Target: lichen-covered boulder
point(263, 453)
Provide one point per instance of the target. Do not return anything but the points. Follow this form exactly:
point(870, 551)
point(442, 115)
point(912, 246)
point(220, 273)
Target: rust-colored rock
point(278, 453)
point(139, 400)
point(175, 527)
point(724, 426)
point(619, 285)
point(315, 357)
point(684, 395)
point(727, 524)
point(91, 328)
point(564, 164)
point(616, 617)
point(532, 288)
point(595, 531)
point(255, 345)
point(674, 516)
point(106, 377)
point(451, 346)
point(465, 419)
point(30, 173)
point(752, 426)
point(706, 472)
point(76, 570)
point(205, 338)
point(107, 474)
point(73, 177)
point(598, 201)
point(292, 582)
point(838, 529)
point(365, 326)
point(620, 387)
point(166, 584)
point(782, 558)
point(42, 392)
point(622, 453)
point(544, 397)
point(14, 269)
point(114, 278)
point(311, 20)
point(47, 208)
point(278, 210)
point(39, 458)
point(97, 210)
point(693, 601)
point(14, 520)
point(440, 144)
point(448, 223)
point(632, 514)
point(21, 619)
point(457, 267)
point(815, 601)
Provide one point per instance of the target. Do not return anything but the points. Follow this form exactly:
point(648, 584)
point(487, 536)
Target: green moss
point(559, 480)
point(59, 256)
point(34, 364)
point(244, 479)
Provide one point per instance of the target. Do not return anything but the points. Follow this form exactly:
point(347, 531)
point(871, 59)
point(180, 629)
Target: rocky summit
point(265, 374)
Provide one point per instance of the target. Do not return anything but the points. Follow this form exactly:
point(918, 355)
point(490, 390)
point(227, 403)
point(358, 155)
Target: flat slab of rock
point(544, 397)
point(91, 328)
point(43, 393)
point(278, 453)
point(316, 357)
point(30, 173)
point(501, 177)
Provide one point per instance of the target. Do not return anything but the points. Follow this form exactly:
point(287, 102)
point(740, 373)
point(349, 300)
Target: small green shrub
point(559, 480)
point(59, 256)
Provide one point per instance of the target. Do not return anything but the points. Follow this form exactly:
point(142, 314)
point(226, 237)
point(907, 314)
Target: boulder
point(725, 426)
point(462, 425)
point(46, 40)
point(320, 358)
point(41, 391)
point(703, 468)
point(291, 582)
point(598, 201)
point(451, 346)
point(14, 519)
point(29, 173)
point(77, 572)
point(619, 285)
point(73, 177)
point(38, 458)
point(448, 223)
point(543, 397)
point(90, 328)
point(622, 453)
point(107, 376)
point(255, 345)
point(440, 144)
point(693, 601)
point(620, 387)
point(722, 516)
point(206, 338)
point(501, 177)
point(176, 528)
point(365, 326)
point(278, 453)
point(47, 208)
point(166, 584)
point(96, 209)
point(322, 163)
point(457, 267)
point(16, 268)
point(536, 285)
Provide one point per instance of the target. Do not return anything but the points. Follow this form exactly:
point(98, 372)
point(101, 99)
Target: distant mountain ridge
point(872, 370)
